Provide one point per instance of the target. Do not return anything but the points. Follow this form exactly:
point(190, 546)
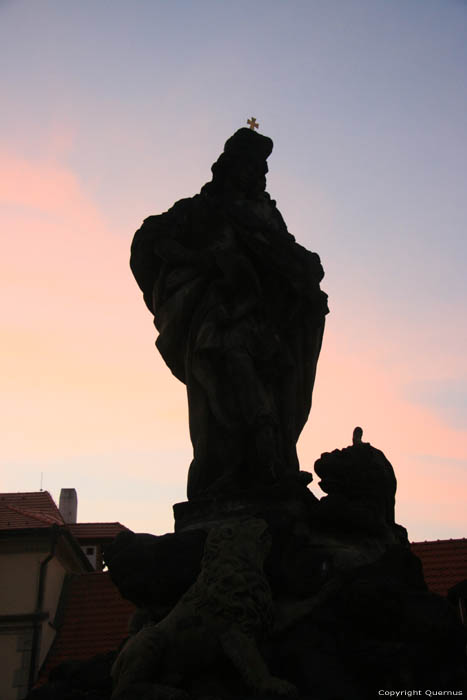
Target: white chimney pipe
point(68, 505)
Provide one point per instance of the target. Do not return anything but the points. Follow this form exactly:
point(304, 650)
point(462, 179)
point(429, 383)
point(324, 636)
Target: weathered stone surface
point(376, 627)
point(225, 614)
point(240, 316)
point(344, 634)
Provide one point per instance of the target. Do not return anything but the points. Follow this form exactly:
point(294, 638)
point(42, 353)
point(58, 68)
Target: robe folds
point(240, 314)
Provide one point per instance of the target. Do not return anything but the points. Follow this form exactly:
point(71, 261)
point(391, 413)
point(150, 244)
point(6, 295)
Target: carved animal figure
point(358, 480)
point(225, 612)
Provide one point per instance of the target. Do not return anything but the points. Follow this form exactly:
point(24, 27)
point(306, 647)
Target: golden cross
point(253, 123)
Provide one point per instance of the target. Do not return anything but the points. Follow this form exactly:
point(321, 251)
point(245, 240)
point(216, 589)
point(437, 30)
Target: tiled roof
point(28, 510)
point(95, 620)
point(96, 531)
point(444, 563)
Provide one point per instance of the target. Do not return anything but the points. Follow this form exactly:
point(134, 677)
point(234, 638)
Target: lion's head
point(246, 539)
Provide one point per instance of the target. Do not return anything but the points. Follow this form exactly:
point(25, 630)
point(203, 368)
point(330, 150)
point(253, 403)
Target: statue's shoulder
point(145, 262)
point(165, 221)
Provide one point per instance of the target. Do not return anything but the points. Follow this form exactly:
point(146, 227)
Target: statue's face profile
point(241, 169)
point(248, 176)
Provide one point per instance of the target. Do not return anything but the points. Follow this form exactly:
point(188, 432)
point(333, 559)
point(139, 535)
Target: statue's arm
point(155, 245)
point(144, 263)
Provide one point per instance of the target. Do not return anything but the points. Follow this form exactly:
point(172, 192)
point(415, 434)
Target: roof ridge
point(450, 539)
point(25, 493)
point(99, 522)
point(42, 517)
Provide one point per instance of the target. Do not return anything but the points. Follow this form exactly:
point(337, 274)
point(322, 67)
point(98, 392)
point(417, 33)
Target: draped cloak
point(240, 316)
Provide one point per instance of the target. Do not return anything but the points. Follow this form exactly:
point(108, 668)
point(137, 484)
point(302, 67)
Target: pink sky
point(100, 130)
point(84, 384)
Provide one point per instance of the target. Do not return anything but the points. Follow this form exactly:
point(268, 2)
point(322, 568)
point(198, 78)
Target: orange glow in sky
point(106, 122)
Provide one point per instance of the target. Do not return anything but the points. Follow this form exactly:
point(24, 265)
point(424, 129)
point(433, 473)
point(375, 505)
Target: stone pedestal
point(290, 499)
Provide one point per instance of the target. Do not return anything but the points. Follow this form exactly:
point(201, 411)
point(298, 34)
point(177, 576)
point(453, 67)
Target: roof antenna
point(42, 474)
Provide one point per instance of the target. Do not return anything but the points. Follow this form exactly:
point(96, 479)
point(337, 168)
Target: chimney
point(68, 505)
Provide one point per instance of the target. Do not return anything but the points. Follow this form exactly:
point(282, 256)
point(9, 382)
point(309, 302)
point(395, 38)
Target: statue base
point(350, 610)
point(288, 499)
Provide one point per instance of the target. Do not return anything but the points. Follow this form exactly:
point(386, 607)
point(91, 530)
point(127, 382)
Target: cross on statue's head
point(253, 123)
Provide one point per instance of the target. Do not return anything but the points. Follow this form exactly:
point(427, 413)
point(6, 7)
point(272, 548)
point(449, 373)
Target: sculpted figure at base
point(222, 615)
point(240, 316)
point(360, 485)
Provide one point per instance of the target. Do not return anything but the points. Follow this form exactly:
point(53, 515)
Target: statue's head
point(242, 166)
point(354, 471)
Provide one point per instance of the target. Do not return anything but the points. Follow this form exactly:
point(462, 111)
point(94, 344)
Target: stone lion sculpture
point(223, 614)
point(360, 483)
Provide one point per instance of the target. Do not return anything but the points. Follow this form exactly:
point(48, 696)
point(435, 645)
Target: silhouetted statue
point(359, 481)
point(240, 316)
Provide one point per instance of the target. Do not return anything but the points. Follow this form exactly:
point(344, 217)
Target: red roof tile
point(96, 531)
point(28, 510)
point(95, 620)
point(444, 563)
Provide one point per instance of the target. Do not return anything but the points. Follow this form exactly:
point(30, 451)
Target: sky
point(112, 111)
